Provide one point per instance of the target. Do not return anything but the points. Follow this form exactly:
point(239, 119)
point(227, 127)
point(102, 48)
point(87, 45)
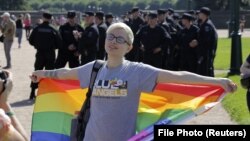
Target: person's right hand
point(36, 76)
point(227, 84)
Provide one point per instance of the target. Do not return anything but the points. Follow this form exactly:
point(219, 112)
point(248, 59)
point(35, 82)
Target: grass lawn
point(223, 54)
point(235, 104)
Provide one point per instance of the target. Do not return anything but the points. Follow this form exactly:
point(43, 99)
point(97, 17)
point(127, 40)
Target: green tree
point(13, 4)
point(166, 4)
point(35, 5)
point(105, 6)
point(155, 4)
point(218, 4)
point(80, 6)
point(213, 4)
point(115, 8)
point(141, 5)
point(45, 5)
point(127, 7)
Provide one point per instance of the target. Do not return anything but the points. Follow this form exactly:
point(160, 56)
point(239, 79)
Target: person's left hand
point(193, 43)
point(228, 85)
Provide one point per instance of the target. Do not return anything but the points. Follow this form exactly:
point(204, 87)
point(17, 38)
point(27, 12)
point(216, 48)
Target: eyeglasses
point(119, 39)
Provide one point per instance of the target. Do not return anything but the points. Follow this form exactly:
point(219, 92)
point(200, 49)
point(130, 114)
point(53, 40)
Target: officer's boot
point(32, 94)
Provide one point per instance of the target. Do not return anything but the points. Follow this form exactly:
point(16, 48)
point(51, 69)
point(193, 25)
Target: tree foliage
point(115, 6)
point(219, 4)
point(13, 4)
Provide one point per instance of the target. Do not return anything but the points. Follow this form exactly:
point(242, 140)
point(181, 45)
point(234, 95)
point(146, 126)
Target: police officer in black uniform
point(168, 50)
point(136, 23)
point(88, 43)
point(162, 19)
point(45, 39)
point(68, 51)
point(169, 18)
point(188, 41)
point(175, 54)
point(152, 39)
point(127, 19)
point(109, 19)
point(102, 28)
point(208, 38)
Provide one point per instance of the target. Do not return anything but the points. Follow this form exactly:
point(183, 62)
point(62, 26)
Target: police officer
point(128, 18)
point(136, 21)
point(208, 38)
point(88, 44)
point(175, 52)
point(177, 22)
point(135, 25)
point(188, 41)
point(109, 19)
point(152, 39)
point(168, 50)
point(102, 27)
point(162, 19)
point(45, 40)
point(194, 14)
point(68, 51)
point(145, 19)
point(169, 17)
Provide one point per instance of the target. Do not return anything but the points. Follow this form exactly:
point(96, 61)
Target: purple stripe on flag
point(47, 136)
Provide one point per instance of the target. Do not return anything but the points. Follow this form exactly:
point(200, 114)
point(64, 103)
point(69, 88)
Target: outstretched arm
point(64, 73)
point(184, 77)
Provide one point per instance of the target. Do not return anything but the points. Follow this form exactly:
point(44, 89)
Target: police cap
point(170, 10)
point(161, 11)
point(192, 12)
point(205, 10)
point(99, 14)
point(109, 15)
point(176, 16)
point(187, 16)
point(152, 15)
point(135, 9)
point(88, 13)
point(71, 14)
point(47, 15)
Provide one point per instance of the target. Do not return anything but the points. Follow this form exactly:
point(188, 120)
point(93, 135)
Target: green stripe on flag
point(176, 114)
point(54, 122)
point(145, 119)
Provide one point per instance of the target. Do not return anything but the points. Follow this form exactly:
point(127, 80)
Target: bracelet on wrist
point(10, 114)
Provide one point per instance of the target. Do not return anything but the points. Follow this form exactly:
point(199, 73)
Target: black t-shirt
point(19, 23)
point(248, 59)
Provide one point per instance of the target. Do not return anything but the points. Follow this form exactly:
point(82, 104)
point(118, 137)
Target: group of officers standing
point(166, 40)
point(162, 39)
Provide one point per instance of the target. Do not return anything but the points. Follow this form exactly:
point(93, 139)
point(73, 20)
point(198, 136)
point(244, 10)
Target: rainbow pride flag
point(58, 100)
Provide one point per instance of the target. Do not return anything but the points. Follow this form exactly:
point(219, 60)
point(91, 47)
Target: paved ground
point(22, 66)
point(224, 33)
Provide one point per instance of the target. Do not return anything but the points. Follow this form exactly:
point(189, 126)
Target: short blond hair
point(126, 28)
